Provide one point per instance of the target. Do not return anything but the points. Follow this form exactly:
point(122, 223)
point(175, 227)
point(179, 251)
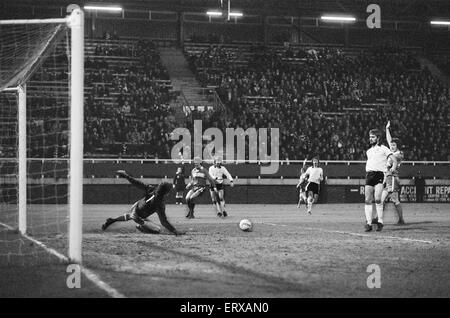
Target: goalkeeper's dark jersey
point(152, 201)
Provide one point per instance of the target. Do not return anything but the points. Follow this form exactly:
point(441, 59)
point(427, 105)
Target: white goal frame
point(75, 21)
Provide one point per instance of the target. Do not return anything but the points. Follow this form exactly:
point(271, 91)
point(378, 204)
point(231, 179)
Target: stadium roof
point(398, 9)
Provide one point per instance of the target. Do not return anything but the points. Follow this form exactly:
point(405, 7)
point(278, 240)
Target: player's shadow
point(273, 281)
point(411, 226)
point(417, 223)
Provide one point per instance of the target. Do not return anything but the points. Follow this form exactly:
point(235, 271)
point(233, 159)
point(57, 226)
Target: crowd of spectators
point(127, 109)
point(213, 57)
point(211, 38)
point(128, 112)
point(121, 50)
point(144, 136)
point(47, 116)
point(326, 104)
point(47, 126)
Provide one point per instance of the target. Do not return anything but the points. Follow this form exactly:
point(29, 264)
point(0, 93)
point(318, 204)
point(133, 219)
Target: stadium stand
point(127, 98)
point(324, 100)
point(127, 110)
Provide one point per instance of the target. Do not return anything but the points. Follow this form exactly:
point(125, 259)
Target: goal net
point(41, 139)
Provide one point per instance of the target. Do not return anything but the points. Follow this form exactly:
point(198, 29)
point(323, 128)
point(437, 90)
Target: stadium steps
point(183, 79)
point(434, 70)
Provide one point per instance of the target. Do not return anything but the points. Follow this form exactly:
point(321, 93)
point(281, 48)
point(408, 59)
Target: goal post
point(18, 77)
point(20, 93)
point(76, 23)
point(22, 154)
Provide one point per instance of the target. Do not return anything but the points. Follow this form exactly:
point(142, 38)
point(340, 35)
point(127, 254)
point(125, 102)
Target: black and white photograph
point(224, 154)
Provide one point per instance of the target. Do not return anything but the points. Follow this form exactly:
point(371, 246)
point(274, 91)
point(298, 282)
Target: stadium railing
point(163, 168)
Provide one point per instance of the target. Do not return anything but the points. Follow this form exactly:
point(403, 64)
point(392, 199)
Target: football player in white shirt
point(376, 164)
point(217, 171)
point(303, 180)
point(315, 176)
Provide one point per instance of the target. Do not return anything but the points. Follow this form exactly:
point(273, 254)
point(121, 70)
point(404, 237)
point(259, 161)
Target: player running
point(315, 176)
point(198, 185)
point(217, 171)
point(377, 157)
point(302, 182)
point(151, 202)
point(391, 179)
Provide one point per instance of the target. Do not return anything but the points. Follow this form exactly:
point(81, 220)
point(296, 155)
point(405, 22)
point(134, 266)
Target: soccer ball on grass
point(246, 225)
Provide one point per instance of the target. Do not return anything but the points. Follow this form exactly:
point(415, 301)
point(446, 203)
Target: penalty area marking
point(358, 234)
point(88, 273)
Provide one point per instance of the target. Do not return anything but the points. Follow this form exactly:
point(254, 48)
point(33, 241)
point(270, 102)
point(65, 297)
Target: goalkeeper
point(151, 202)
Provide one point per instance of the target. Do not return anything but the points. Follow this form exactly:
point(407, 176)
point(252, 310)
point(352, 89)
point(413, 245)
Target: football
point(246, 225)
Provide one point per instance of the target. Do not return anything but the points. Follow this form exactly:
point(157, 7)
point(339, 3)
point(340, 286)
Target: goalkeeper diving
point(152, 201)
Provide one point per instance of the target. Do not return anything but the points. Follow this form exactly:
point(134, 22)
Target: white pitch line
point(7, 226)
point(87, 272)
point(274, 224)
point(359, 234)
point(101, 284)
point(369, 235)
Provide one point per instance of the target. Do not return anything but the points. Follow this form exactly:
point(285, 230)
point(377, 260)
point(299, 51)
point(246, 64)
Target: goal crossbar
point(34, 21)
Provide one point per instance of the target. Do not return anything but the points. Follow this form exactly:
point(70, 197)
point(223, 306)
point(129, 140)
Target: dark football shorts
point(135, 217)
point(374, 177)
point(219, 186)
point(313, 187)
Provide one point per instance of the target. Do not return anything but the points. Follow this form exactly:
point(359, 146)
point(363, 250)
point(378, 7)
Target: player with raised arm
point(217, 171)
point(377, 157)
point(302, 182)
point(198, 185)
point(391, 178)
point(315, 176)
point(151, 202)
